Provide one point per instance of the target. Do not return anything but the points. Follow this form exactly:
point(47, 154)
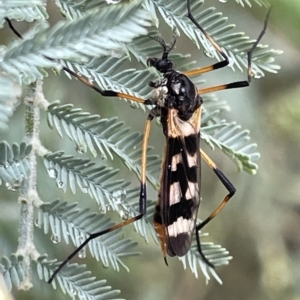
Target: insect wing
point(180, 182)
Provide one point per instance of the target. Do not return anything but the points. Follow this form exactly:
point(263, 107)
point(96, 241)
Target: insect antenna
point(173, 42)
point(161, 41)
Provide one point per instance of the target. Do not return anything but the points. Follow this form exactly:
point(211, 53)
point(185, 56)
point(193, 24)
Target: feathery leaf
point(236, 45)
point(264, 3)
point(10, 93)
point(14, 165)
point(107, 134)
point(217, 255)
point(75, 281)
point(234, 143)
point(26, 10)
point(71, 223)
point(97, 33)
point(11, 270)
point(109, 31)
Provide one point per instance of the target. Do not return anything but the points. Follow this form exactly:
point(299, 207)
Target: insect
point(178, 103)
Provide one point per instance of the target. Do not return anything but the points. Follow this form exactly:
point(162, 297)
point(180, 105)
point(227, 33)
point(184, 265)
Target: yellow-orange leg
point(142, 202)
point(225, 62)
point(231, 191)
point(106, 93)
point(225, 181)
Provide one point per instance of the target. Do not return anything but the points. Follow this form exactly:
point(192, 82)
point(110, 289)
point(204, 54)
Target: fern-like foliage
point(99, 41)
point(26, 10)
point(74, 224)
point(10, 93)
point(95, 34)
point(109, 135)
point(75, 281)
point(234, 44)
point(14, 165)
point(233, 142)
point(71, 172)
point(11, 270)
point(215, 253)
point(249, 2)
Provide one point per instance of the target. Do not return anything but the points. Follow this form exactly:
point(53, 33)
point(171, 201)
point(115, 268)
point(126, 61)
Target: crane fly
point(178, 104)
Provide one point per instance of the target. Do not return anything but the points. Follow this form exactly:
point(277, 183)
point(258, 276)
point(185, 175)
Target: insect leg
point(225, 62)
point(225, 181)
point(244, 83)
point(231, 191)
point(215, 66)
point(142, 202)
point(105, 93)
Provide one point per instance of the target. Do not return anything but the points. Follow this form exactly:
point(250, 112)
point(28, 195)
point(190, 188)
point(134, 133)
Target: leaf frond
point(71, 223)
point(109, 135)
point(26, 10)
point(71, 9)
point(14, 165)
point(108, 76)
point(264, 3)
point(97, 33)
point(75, 281)
point(234, 142)
point(235, 45)
point(10, 92)
point(11, 270)
point(92, 43)
point(98, 182)
point(217, 255)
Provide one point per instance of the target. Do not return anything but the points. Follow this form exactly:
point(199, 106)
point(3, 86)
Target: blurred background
point(260, 226)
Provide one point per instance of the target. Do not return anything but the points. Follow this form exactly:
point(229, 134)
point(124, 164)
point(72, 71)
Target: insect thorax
point(175, 90)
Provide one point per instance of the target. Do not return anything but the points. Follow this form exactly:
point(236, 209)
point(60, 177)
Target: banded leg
point(231, 191)
point(142, 202)
point(105, 93)
point(215, 66)
point(228, 185)
point(225, 62)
